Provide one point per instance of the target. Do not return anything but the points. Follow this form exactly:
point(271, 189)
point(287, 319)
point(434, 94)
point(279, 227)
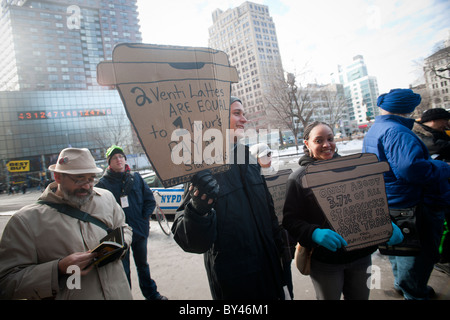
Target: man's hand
point(80, 259)
point(204, 190)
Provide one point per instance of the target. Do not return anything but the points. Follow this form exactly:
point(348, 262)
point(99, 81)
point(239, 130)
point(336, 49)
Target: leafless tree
point(117, 130)
point(425, 103)
point(332, 100)
point(290, 103)
point(439, 62)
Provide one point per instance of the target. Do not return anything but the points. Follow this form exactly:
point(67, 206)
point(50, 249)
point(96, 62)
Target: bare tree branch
point(439, 63)
point(290, 103)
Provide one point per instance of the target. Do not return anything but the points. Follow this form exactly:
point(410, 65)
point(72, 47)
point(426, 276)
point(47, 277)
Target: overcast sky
point(391, 35)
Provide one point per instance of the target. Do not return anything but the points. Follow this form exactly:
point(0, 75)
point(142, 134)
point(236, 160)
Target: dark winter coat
point(437, 142)
point(302, 215)
point(240, 238)
point(140, 199)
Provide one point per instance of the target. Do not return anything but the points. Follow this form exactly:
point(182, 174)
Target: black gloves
point(208, 189)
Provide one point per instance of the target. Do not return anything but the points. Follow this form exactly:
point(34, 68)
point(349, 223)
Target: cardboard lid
point(140, 63)
point(178, 100)
point(351, 193)
point(342, 169)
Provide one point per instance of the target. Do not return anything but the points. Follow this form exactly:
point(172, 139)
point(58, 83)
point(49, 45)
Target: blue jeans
point(350, 279)
point(146, 283)
point(412, 273)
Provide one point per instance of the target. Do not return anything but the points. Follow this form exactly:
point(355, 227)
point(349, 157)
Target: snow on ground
point(289, 156)
point(347, 147)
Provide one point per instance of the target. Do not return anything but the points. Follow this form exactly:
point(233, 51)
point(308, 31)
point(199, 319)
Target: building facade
point(36, 125)
point(361, 91)
point(437, 77)
point(49, 96)
point(247, 34)
point(330, 106)
point(56, 45)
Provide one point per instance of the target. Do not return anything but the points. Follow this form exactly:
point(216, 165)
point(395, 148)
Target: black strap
point(76, 213)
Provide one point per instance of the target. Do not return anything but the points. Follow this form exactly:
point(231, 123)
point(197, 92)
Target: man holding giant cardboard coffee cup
point(230, 218)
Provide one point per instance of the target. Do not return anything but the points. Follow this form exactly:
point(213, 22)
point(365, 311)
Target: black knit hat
point(435, 114)
point(114, 150)
point(233, 99)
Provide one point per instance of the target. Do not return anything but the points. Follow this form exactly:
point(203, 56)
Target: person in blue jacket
point(138, 203)
point(413, 181)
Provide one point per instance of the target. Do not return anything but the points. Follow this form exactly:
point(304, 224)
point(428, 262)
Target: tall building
point(361, 91)
point(49, 96)
point(247, 34)
point(56, 45)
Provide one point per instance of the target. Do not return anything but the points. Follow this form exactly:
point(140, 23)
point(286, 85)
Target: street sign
point(18, 166)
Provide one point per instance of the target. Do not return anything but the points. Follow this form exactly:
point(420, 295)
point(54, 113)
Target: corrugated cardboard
point(172, 96)
point(351, 192)
point(276, 184)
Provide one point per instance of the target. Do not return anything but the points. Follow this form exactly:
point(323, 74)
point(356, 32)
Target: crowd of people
point(230, 218)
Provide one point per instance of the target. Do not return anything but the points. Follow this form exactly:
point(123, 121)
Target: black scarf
point(126, 179)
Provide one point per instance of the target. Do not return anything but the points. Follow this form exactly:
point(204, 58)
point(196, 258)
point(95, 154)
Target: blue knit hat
point(400, 101)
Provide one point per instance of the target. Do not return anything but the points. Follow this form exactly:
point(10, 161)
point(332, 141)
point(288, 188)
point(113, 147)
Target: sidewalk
point(12, 202)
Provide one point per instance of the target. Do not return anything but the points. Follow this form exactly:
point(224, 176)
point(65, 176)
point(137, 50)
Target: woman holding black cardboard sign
point(334, 271)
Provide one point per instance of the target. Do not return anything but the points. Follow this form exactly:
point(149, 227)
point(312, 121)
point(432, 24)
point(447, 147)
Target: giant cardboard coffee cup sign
point(178, 100)
point(276, 184)
point(351, 192)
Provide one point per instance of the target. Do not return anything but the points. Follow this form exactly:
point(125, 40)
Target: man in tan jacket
point(45, 254)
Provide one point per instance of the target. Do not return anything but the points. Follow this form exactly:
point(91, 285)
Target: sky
point(394, 36)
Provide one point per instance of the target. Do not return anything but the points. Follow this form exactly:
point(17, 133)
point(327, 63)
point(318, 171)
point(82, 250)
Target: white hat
point(260, 150)
point(75, 161)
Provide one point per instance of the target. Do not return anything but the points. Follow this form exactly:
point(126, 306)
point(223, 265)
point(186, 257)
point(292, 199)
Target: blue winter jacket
point(140, 199)
point(413, 175)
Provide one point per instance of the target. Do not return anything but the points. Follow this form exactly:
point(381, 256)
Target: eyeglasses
point(117, 157)
point(82, 182)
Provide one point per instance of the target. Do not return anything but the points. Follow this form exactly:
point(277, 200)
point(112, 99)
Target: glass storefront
point(37, 125)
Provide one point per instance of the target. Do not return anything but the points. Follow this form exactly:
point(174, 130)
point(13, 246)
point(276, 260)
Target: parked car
point(168, 199)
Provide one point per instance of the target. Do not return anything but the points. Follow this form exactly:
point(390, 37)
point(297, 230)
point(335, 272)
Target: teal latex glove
point(397, 235)
point(328, 238)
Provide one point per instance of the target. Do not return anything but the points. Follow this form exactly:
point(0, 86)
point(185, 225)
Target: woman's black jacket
point(302, 215)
